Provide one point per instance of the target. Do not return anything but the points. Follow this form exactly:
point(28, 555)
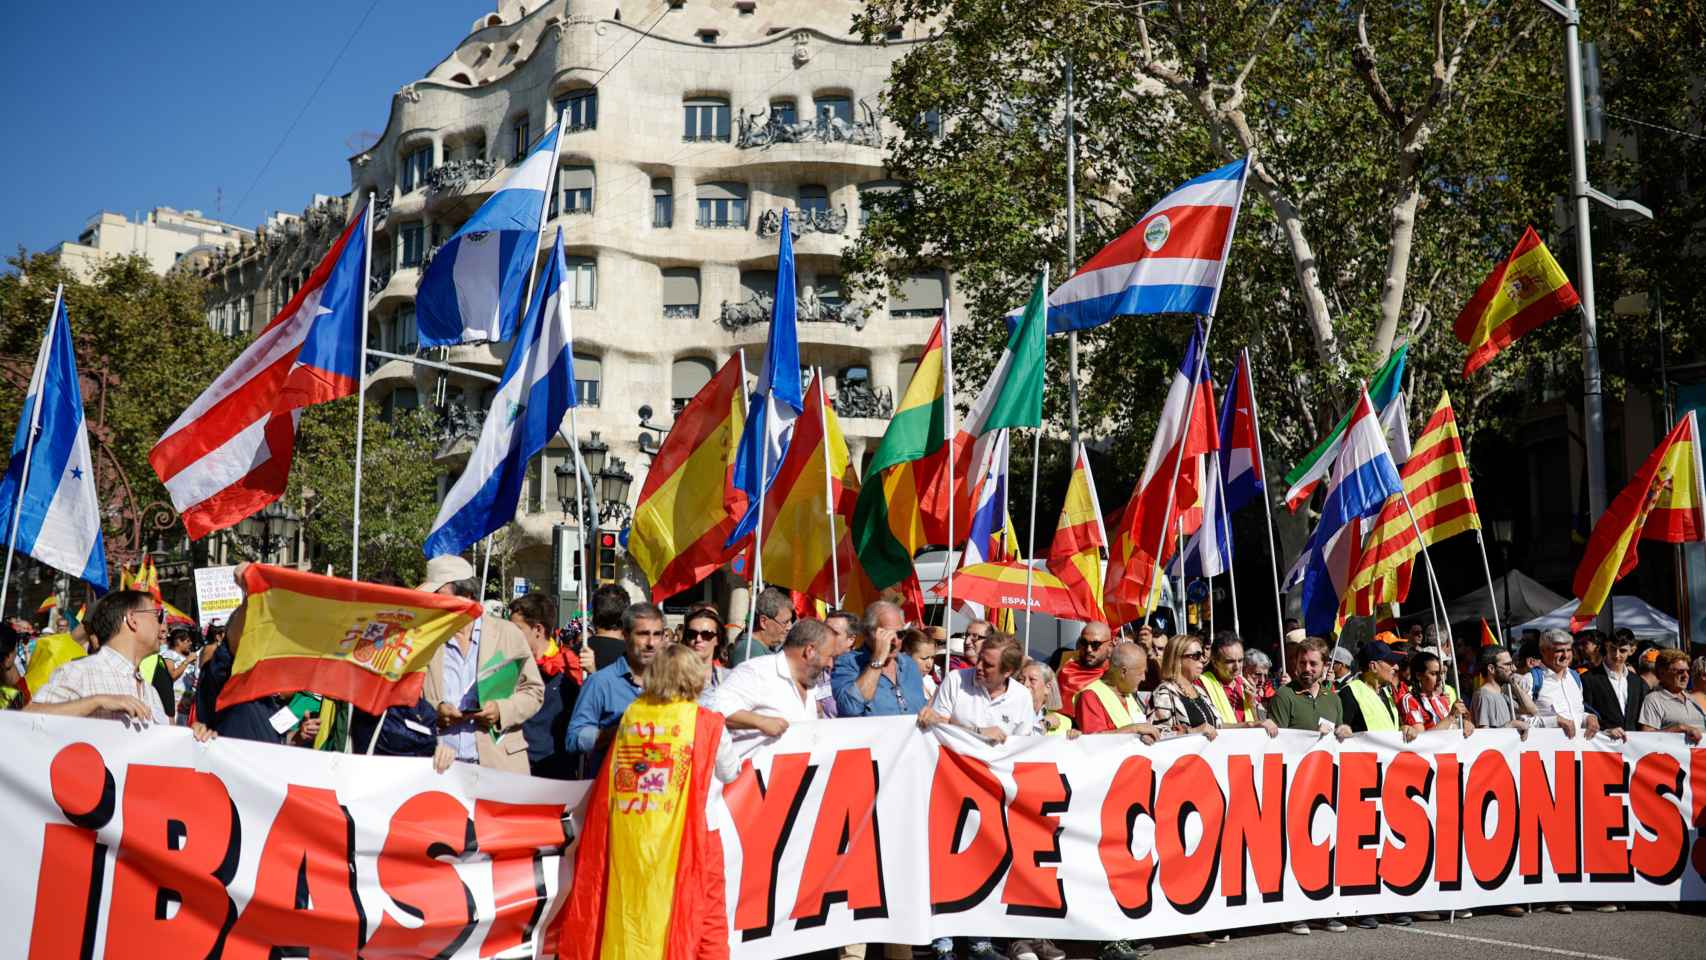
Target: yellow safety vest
point(1119, 709)
point(1376, 715)
point(1060, 731)
point(1217, 696)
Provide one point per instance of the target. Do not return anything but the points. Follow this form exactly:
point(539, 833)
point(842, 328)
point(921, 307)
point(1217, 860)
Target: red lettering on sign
point(1605, 817)
point(1187, 876)
point(415, 874)
point(764, 815)
point(1034, 888)
point(1355, 867)
point(844, 862)
point(73, 861)
point(1550, 814)
point(1658, 779)
point(177, 855)
point(1314, 786)
point(1697, 781)
point(961, 878)
point(1491, 856)
point(518, 837)
point(1407, 782)
point(305, 886)
point(1255, 829)
point(1131, 793)
point(1448, 821)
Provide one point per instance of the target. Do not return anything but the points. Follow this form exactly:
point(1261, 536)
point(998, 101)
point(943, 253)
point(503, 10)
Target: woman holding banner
point(649, 871)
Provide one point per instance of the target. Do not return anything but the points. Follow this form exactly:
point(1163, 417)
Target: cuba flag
point(533, 397)
point(57, 518)
point(778, 399)
point(473, 288)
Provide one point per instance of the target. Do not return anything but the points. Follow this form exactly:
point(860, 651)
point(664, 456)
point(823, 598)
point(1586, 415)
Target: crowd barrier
point(143, 843)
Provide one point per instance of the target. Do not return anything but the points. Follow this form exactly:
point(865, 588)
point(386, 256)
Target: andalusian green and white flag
point(497, 680)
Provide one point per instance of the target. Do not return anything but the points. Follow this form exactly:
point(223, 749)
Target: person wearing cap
point(1086, 666)
point(469, 731)
point(1557, 690)
point(1341, 666)
point(1367, 699)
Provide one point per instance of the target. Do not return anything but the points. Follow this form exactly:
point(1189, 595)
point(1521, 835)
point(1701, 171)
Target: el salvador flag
point(536, 392)
point(58, 518)
point(778, 399)
point(474, 286)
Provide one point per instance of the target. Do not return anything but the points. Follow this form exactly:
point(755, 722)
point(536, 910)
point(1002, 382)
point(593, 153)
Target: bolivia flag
point(1666, 501)
point(361, 643)
point(688, 505)
point(1522, 293)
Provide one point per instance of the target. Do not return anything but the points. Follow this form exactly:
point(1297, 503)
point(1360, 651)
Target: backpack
point(1537, 676)
point(406, 731)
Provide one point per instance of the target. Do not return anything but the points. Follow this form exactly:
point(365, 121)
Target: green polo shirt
point(1294, 710)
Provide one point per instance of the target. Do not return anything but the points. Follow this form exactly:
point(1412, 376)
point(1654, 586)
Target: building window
point(746, 7)
point(686, 378)
point(784, 111)
point(828, 289)
point(589, 372)
point(930, 121)
point(578, 109)
point(575, 190)
point(582, 280)
point(833, 108)
point(755, 283)
point(706, 118)
point(874, 195)
point(708, 36)
point(416, 164)
point(854, 377)
point(412, 241)
point(722, 205)
point(907, 369)
point(663, 202)
point(521, 135)
point(814, 198)
point(536, 484)
point(921, 295)
point(405, 332)
point(681, 292)
point(400, 400)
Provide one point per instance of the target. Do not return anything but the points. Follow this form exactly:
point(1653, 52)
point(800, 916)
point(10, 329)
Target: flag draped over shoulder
point(1522, 293)
point(688, 506)
point(1075, 555)
point(1665, 501)
point(362, 643)
point(1384, 391)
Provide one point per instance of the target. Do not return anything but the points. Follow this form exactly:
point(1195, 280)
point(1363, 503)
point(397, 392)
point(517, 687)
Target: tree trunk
point(1409, 196)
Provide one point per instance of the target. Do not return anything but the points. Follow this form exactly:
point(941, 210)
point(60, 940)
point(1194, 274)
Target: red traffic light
point(607, 539)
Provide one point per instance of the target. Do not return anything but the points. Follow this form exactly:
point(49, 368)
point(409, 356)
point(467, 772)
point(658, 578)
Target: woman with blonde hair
point(649, 871)
point(1180, 701)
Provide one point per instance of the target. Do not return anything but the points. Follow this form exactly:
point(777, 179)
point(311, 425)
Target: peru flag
point(229, 454)
point(1172, 261)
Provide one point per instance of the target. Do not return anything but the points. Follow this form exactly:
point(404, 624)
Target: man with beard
point(1084, 668)
point(766, 694)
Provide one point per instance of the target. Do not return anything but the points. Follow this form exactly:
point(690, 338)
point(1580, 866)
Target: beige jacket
point(498, 636)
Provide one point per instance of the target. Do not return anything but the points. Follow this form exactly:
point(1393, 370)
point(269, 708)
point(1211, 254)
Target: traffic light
point(606, 556)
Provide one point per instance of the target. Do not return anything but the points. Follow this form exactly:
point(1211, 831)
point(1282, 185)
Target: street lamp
point(614, 482)
point(1503, 531)
point(593, 452)
point(565, 487)
point(267, 531)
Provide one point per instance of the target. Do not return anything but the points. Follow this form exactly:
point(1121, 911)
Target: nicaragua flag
point(535, 394)
point(1362, 479)
point(1172, 261)
point(778, 399)
point(472, 290)
point(57, 520)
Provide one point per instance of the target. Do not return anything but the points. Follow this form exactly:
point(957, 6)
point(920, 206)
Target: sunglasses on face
point(698, 636)
point(1196, 655)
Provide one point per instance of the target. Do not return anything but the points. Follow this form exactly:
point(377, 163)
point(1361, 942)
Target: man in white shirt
point(1558, 689)
point(765, 694)
point(985, 699)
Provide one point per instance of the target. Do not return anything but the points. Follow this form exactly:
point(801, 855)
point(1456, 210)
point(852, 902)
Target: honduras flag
point(536, 392)
point(474, 286)
point(57, 520)
point(778, 399)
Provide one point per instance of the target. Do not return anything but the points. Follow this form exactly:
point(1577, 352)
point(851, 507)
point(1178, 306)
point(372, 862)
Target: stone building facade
point(167, 238)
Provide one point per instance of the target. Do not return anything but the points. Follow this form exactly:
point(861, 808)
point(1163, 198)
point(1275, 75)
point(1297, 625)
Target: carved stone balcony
point(859, 400)
point(809, 307)
point(761, 129)
point(381, 208)
point(811, 220)
point(454, 176)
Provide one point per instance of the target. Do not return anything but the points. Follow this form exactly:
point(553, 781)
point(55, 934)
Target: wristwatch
point(876, 665)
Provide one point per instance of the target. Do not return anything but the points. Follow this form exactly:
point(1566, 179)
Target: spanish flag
point(688, 507)
point(1075, 555)
point(361, 643)
point(1665, 501)
point(1522, 293)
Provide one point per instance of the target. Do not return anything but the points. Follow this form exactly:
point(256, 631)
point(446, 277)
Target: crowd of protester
point(567, 706)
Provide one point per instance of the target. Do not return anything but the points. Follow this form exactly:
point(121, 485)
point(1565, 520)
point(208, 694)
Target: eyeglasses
point(158, 612)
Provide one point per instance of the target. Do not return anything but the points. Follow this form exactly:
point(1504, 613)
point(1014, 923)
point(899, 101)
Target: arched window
point(814, 196)
point(589, 374)
point(784, 110)
point(908, 367)
point(756, 282)
point(686, 378)
point(874, 194)
point(833, 107)
point(417, 161)
point(576, 185)
point(582, 281)
point(578, 108)
point(663, 202)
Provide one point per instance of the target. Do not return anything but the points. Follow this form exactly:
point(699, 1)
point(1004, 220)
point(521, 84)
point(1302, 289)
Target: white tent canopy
point(1647, 621)
point(1527, 600)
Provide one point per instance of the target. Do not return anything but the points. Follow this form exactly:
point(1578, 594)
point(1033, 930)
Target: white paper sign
point(217, 595)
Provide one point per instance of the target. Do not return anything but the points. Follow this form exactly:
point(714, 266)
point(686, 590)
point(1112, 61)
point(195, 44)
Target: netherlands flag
point(1172, 261)
point(229, 454)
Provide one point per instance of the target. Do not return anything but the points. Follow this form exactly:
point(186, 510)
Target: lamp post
point(266, 532)
point(1502, 534)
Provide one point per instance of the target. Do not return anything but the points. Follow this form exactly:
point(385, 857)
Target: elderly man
point(1557, 690)
point(1085, 667)
point(1342, 666)
point(611, 690)
point(1669, 709)
point(985, 699)
point(466, 724)
point(877, 679)
point(1612, 689)
point(765, 695)
point(775, 614)
point(1109, 703)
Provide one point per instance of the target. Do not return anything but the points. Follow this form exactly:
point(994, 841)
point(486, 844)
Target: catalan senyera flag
point(1665, 501)
point(688, 507)
point(365, 644)
point(808, 493)
point(53, 650)
point(1522, 293)
point(1075, 555)
point(1436, 481)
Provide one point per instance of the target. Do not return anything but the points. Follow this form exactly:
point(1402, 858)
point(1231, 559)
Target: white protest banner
point(217, 595)
point(250, 847)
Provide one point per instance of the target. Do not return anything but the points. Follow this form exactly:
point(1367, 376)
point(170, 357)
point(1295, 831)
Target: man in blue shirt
point(877, 680)
point(609, 691)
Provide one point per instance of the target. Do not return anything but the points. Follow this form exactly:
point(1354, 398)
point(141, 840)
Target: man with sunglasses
point(769, 628)
point(107, 684)
point(1085, 667)
point(878, 679)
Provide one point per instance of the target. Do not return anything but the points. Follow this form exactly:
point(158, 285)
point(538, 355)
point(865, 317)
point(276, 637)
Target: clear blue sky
point(128, 106)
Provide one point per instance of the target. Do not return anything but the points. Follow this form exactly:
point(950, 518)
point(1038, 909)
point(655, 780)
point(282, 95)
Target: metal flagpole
point(829, 498)
point(1179, 461)
point(1031, 537)
point(582, 511)
point(1267, 504)
point(951, 426)
point(38, 382)
point(1226, 555)
point(1492, 596)
point(753, 575)
point(361, 388)
point(485, 571)
point(1179, 598)
point(1442, 634)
